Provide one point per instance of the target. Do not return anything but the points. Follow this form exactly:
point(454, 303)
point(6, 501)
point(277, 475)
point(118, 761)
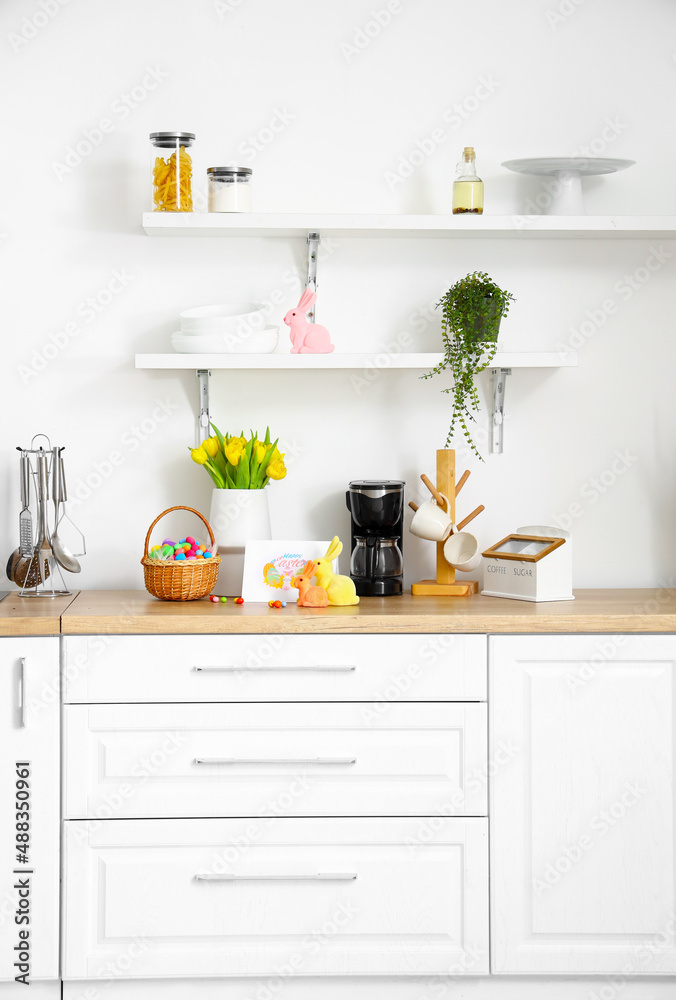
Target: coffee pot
point(376, 507)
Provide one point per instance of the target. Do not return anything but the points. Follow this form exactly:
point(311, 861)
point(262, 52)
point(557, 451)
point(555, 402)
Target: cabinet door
point(29, 807)
point(212, 897)
point(582, 753)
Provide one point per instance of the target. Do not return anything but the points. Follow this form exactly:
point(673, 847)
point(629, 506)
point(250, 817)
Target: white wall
point(557, 80)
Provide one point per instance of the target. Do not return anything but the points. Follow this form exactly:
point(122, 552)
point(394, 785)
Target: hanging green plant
point(471, 313)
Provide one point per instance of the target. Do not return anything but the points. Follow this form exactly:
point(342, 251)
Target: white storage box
point(533, 564)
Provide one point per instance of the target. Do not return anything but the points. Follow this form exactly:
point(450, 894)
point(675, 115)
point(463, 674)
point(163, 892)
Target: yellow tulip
point(211, 446)
point(260, 451)
point(233, 451)
point(276, 469)
point(199, 455)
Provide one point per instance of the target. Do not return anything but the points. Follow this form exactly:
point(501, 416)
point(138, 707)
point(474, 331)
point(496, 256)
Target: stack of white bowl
point(231, 328)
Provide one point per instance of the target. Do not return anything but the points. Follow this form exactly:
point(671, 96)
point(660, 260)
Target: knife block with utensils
point(445, 584)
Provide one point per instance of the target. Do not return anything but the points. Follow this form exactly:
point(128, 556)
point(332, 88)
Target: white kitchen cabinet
point(380, 669)
point(29, 806)
point(330, 759)
point(275, 897)
point(582, 804)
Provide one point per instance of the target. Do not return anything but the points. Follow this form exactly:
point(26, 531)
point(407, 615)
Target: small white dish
point(223, 318)
point(261, 342)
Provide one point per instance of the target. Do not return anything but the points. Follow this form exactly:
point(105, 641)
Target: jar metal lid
point(229, 171)
point(168, 136)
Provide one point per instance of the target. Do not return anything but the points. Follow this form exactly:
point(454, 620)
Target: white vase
point(237, 517)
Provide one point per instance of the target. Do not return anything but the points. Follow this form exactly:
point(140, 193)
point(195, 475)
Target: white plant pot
point(237, 517)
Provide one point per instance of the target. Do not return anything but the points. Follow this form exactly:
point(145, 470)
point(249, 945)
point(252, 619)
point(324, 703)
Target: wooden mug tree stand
point(445, 584)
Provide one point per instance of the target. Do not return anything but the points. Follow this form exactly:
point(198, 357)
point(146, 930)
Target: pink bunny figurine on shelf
point(307, 338)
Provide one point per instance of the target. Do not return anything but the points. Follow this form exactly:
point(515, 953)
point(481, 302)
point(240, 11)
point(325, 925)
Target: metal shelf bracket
point(313, 241)
point(204, 424)
point(498, 412)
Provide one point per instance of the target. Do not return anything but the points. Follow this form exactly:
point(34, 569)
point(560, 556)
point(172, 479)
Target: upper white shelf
point(411, 226)
point(334, 361)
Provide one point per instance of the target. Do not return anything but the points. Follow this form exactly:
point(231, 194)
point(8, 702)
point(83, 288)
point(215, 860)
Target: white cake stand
point(565, 193)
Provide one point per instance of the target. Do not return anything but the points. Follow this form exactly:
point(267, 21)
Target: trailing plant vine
point(471, 312)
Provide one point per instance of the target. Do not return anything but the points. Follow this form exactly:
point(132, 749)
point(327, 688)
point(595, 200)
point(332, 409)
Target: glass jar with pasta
point(171, 166)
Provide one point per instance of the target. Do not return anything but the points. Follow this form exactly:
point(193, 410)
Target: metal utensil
point(61, 552)
point(25, 517)
point(20, 560)
point(10, 569)
point(28, 572)
point(42, 548)
point(64, 497)
point(31, 572)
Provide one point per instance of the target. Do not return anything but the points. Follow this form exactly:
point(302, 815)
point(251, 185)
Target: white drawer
point(311, 896)
point(332, 759)
point(377, 668)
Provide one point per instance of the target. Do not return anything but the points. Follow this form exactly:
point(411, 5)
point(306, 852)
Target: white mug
point(431, 522)
point(462, 551)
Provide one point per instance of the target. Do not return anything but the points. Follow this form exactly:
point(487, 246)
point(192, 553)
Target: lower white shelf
point(342, 361)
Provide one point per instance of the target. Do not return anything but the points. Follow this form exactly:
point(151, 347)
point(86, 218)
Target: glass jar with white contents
point(229, 189)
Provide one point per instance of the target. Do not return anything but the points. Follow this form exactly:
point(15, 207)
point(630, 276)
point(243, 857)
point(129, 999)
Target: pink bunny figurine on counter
point(307, 338)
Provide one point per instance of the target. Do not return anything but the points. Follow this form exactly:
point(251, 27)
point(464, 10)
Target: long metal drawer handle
point(22, 691)
point(319, 877)
point(319, 667)
point(275, 760)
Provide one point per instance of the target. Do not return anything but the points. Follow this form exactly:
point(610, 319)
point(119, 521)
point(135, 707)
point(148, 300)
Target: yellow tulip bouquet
point(239, 463)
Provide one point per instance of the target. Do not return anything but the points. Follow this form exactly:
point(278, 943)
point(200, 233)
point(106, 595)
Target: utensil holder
point(445, 584)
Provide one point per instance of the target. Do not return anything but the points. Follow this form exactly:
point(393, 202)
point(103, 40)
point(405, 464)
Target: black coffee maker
point(376, 561)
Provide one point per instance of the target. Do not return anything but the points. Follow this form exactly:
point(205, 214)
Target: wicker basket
point(180, 581)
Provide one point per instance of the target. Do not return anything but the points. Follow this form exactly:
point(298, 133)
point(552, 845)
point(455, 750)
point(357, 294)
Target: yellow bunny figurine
point(340, 589)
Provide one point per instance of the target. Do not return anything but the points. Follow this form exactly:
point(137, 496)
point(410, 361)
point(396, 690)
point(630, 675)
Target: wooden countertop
point(32, 615)
point(134, 612)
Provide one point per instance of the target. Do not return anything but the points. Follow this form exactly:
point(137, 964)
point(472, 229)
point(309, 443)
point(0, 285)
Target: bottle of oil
point(468, 189)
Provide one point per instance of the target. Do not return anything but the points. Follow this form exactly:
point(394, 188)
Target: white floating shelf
point(304, 362)
point(412, 226)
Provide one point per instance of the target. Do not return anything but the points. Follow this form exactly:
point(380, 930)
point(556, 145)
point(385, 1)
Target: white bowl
point(262, 342)
point(223, 318)
point(244, 327)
